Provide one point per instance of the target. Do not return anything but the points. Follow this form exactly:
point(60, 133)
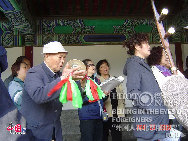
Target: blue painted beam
point(104, 38)
point(6, 5)
point(13, 11)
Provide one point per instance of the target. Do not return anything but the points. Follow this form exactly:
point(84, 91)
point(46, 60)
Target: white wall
point(115, 54)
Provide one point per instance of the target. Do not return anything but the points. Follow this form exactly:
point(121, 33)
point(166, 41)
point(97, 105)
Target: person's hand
point(74, 72)
point(106, 93)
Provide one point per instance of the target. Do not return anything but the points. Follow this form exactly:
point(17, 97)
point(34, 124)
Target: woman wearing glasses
point(91, 124)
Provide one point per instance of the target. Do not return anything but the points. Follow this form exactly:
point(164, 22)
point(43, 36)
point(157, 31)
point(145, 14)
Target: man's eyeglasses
point(89, 65)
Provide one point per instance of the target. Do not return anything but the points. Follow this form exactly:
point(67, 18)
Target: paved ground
point(71, 130)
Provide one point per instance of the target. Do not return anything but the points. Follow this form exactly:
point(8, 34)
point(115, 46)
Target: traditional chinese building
point(92, 29)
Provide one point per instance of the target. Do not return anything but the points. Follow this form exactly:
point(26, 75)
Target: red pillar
point(178, 52)
point(29, 53)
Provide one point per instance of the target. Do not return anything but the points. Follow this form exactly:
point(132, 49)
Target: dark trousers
point(33, 138)
point(115, 132)
point(91, 130)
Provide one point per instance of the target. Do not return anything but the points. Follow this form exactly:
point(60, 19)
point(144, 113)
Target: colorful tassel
point(63, 94)
point(88, 91)
point(76, 95)
point(71, 92)
point(93, 90)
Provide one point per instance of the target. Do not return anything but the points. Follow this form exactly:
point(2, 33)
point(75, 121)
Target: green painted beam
point(103, 26)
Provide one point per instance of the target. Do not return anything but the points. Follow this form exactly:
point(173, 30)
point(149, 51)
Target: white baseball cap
point(53, 47)
point(186, 27)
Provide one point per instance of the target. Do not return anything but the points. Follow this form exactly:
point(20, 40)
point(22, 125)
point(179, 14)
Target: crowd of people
point(24, 94)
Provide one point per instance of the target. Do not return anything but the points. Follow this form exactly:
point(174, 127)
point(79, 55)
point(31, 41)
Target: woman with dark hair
point(143, 90)
point(103, 64)
point(15, 88)
point(112, 103)
point(19, 59)
point(158, 60)
point(91, 124)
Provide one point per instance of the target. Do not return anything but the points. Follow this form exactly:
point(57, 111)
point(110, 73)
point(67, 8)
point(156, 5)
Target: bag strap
point(101, 109)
